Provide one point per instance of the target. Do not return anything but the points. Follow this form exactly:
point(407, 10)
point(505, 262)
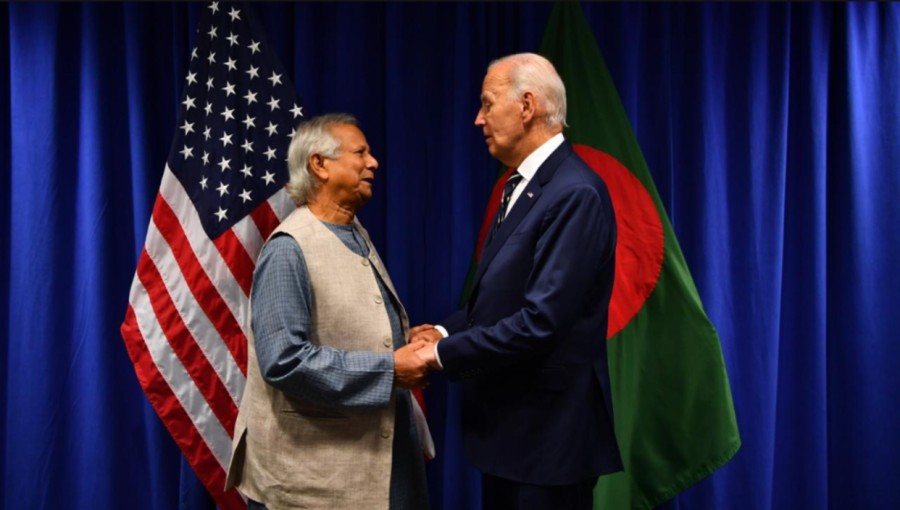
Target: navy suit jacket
point(530, 346)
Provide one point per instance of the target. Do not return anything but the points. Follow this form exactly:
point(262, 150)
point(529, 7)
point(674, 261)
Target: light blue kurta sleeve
point(281, 310)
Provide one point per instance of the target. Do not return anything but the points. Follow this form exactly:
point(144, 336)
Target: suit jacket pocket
point(313, 411)
point(517, 238)
point(557, 377)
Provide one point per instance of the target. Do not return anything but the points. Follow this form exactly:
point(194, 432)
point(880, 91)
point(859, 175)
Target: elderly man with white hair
point(530, 345)
point(327, 420)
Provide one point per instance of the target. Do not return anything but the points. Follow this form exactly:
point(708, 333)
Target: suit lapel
point(523, 205)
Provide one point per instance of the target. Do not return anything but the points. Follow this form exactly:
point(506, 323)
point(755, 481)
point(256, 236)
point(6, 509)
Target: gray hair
point(533, 73)
point(312, 137)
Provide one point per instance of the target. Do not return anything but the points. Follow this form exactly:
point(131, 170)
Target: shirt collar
point(530, 166)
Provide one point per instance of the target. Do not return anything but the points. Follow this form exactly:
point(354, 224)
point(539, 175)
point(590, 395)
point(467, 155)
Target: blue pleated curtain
point(772, 131)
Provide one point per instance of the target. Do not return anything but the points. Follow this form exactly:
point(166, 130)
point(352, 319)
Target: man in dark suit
point(530, 346)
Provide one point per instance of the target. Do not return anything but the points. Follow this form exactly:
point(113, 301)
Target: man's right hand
point(410, 371)
point(427, 352)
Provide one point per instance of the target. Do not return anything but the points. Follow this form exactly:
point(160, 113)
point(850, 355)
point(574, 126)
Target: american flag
point(221, 196)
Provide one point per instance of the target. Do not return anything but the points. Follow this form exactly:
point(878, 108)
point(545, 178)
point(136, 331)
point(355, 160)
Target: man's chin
point(497, 154)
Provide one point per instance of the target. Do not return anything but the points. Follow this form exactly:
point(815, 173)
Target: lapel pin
point(530, 194)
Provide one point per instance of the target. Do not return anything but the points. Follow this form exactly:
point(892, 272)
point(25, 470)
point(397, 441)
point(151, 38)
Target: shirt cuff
point(437, 357)
point(444, 334)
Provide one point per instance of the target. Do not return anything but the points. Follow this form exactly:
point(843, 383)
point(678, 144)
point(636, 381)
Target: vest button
point(378, 299)
point(365, 262)
point(387, 341)
point(385, 433)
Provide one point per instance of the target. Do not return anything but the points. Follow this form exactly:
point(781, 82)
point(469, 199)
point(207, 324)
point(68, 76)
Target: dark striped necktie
point(508, 188)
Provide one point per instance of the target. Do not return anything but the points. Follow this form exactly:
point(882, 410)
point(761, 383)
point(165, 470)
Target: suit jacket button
point(387, 341)
point(385, 433)
point(365, 262)
point(378, 300)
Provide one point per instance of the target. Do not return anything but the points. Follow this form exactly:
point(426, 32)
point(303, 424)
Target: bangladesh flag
point(672, 403)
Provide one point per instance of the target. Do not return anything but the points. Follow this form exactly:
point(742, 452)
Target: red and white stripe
point(187, 322)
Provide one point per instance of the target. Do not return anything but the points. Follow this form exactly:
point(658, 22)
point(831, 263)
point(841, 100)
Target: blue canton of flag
point(238, 115)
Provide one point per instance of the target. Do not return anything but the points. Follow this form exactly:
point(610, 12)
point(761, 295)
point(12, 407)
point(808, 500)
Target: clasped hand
point(415, 360)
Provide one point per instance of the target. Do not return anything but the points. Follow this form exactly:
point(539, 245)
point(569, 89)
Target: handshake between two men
point(553, 305)
point(417, 359)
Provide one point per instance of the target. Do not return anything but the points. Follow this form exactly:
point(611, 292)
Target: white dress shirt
point(530, 166)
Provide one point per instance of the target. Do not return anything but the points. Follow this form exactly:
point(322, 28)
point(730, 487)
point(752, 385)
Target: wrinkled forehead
point(496, 81)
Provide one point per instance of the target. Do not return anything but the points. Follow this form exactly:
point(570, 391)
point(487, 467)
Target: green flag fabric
point(673, 409)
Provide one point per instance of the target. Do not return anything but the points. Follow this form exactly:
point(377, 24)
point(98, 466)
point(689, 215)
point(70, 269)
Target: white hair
point(530, 72)
point(312, 137)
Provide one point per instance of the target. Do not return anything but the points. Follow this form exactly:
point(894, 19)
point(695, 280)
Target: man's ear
point(317, 166)
point(529, 106)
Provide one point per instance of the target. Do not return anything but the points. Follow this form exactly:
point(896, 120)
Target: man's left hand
point(424, 332)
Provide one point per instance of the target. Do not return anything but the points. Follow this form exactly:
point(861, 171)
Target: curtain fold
point(772, 132)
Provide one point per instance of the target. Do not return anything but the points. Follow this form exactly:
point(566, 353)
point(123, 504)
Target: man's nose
point(372, 163)
point(479, 119)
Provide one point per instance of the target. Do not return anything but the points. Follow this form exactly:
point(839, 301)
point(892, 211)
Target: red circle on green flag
point(640, 244)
